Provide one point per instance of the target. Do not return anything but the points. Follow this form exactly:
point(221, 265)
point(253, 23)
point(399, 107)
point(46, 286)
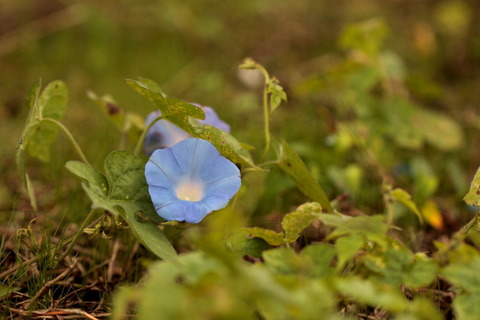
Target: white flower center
point(189, 191)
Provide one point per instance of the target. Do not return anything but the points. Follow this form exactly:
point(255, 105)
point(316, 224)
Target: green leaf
point(98, 183)
point(20, 154)
point(472, 198)
point(272, 237)
point(243, 244)
point(421, 273)
point(405, 198)
point(295, 222)
point(401, 267)
point(38, 135)
point(277, 95)
point(318, 258)
point(439, 130)
point(466, 277)
point(347, 246)
point(281, 260)
point(372, 227)
point(367, 36)
point(168, 106)
point(466, 306)
point(123, 190)
point(373, 294)
point(293, 165)
point(178, 112)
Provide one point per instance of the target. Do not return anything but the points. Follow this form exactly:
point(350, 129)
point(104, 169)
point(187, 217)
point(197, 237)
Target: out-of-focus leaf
point(421, 272)
point(373, 227)
point(123, 190)
point(272, 237)
point(366, 36)
point(293, 165)
point(347, 246)
point(439, 130)
point(277, 95)
point(318, 259)
point(243, 244)
point(453, 17)
point(295, 222)
point(432, 214)
point(425, 180)
point(125, 121)
point(465, 276)
point(393, 66)
point(281, 260)
point(110, 108)
point(472, 198)
point(373, 293)
point(400, 266)
point(405, 198)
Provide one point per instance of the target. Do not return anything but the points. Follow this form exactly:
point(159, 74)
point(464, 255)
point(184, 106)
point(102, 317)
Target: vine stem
point(70, 137)
point(139, 146)
point(266, 112)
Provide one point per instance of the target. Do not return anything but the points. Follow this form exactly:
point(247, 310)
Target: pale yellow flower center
point(189, 191)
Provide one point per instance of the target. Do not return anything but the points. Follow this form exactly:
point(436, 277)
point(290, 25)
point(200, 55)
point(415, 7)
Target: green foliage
point(178, 112)
point(38, 135)
point(293, 224)
point(405, 198)
point(125, 121)
point(293, 165)
point(277, 95)
point(472, 198)
point(355, 252)
point(463, 274)
point(123, 190)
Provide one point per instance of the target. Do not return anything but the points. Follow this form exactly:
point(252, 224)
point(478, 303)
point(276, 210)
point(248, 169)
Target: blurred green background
point(193, 48)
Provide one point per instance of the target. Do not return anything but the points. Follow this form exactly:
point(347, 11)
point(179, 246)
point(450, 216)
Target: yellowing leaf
point(405, 198)
point(272, 237)
point(432, 214)
point(295, 222)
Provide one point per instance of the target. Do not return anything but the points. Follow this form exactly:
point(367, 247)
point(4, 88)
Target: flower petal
point(188, 211)
point(162, 134)
point(191, 162)
point(211, 118)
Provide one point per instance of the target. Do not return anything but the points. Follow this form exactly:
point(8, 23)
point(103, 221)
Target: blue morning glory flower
point(165, 134)
point(190, 179)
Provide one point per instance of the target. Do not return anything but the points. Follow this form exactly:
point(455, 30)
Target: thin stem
point(461, 234)
point(457, 238)
point(266, 124)
point(70, 137)
point(85, 223)
point(139, 146)
point(266, 112)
